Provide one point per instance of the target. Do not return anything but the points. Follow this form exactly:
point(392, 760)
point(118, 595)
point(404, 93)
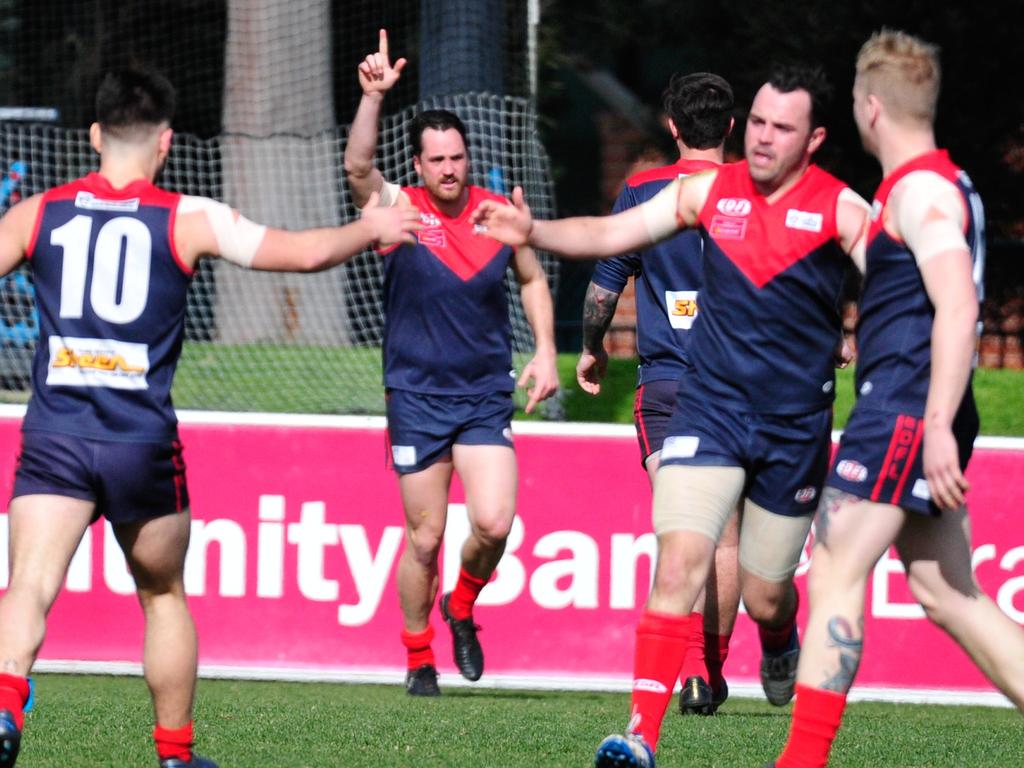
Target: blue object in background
point(31, 695)
point(496, 180)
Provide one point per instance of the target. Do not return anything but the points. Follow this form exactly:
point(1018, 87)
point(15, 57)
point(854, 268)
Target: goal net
point(266, 91)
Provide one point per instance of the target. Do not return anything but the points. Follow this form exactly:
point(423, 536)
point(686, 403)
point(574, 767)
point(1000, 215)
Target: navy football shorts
point(652, 409)
point(785, 457)
point(423, 428)
point(880, 457)
point(128, 481)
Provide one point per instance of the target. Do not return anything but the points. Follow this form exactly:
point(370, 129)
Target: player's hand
point(843, 354)
point(376, 73)
point(544, 374)
point(946, 482)
point(590, 369)
point(391, 224)
point(511, 224)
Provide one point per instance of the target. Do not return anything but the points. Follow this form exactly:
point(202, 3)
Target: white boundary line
point(505, 682)
point(557, 429)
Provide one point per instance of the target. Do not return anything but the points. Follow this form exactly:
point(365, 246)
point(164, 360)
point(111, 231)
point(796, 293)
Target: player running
point(447, 368)
point(752, 422)
point(667, 278)
point(898, 476)
point(112, 256)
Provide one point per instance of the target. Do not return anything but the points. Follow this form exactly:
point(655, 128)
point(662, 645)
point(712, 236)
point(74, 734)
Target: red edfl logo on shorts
point(806, 495)
point(853, 471)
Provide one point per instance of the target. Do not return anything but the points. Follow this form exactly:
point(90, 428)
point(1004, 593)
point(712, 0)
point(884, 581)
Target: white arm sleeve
point(389, 194)
point(929, 213)
point(237, 239)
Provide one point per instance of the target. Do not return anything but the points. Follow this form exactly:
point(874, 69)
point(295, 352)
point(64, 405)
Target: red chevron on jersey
point(455, 242)
point(679, 168)
point(765, 239)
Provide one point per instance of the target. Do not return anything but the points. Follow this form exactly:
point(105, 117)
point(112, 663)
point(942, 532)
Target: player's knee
point(768, 603)
point(493, 527)
point(680, 569)
point(425, 543)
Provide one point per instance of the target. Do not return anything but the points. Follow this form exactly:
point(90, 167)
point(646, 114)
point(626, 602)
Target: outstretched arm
point(598, 311)
point(376, 77)
point(205, 227)
point(540, 314)
point(15, 231)
point(676, 207)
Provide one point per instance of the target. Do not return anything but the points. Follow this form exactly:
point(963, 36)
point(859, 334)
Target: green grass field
point(106, 721)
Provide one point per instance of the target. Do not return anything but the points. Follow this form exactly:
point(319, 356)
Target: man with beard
point(447, 368)
point(753, 416)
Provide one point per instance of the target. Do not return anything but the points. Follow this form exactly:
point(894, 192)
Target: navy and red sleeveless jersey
point(111, 294)
point(446, 329)
point(667, 278)
point(894, 329)
point(769, 318)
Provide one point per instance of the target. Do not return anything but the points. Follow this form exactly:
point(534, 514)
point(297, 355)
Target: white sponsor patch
point(507, 433)
point(681, 307)
point(733, 206)
point(646, 684)
point(853, 471)
point(680, 447)
point(805, 220)
point(90, 202)
point(76, 362)
point(920, 489)
point(403, 455)
point(828, 386)
point(866, 387)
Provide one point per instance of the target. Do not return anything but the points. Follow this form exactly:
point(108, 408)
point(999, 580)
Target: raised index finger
point(383, 49)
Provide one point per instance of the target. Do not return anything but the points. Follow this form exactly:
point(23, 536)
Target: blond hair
point(901, 71)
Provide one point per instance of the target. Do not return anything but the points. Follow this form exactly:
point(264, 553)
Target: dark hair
point(700, 104)
point(801, 77)
point(130, 99)
point(439, 120)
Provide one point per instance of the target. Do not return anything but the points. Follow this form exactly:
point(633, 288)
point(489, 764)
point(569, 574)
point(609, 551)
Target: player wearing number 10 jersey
point(111, 257)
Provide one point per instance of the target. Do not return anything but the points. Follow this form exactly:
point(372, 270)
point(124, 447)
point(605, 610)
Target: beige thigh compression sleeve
point(771, 544)
point(696, 499)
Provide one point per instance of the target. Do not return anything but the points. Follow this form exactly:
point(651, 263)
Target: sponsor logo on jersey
point(681, 307)
point(507, 433)
point(853, 471)
point(90, 202)
point(429, 220)
point(805, 220)
point(403, 455)
point(680, 447)
point(646, 684)
point(432, 237)
point(866, 387)
point(733, 206)
point(920, 489)
point(806, 495)
point(828, 386)
point(727, 228)
point(77, 362)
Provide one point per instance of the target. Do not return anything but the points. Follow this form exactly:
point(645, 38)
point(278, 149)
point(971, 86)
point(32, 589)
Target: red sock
point(716, 651)
point(13, 695)
point(661, 640)
point(467, 590)
point(777, 640)
point(173, 742)
point(418, 646)
point(693, 663)
point(816, 718)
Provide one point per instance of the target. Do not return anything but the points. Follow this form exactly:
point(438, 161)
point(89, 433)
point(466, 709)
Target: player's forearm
point(540, 313)
point(313, 250)
point(953, 348)
point(584, 237)
point(362, 146)
point(598, 311)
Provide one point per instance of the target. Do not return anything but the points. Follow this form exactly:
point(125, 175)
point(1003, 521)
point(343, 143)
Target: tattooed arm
point(598, 311)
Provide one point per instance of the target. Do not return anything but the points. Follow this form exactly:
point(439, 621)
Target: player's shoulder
point(820, 179)
point(479, 194)
point(660, 175)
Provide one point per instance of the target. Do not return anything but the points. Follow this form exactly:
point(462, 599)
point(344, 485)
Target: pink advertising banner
point(297, 527)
